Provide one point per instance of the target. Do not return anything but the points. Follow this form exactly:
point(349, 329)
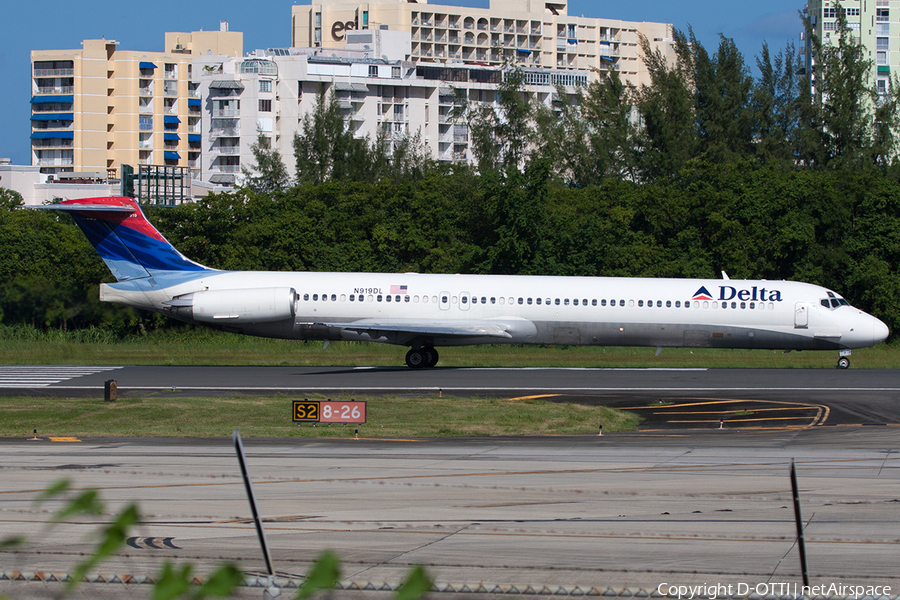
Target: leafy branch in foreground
point(177, 581)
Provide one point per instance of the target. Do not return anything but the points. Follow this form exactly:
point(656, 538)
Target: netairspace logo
point(717, 590)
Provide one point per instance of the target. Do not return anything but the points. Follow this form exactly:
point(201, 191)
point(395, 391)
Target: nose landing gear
point(844, 360)
point(418, 358)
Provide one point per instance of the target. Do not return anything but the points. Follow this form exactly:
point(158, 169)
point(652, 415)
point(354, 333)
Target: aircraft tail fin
point(130, 246)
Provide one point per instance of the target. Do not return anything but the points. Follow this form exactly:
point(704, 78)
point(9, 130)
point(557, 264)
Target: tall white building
point(528, 33)
point(874, 23)
point(268, 92)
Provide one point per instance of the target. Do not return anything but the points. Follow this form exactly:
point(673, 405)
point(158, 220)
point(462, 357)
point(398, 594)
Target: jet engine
point(262, 305)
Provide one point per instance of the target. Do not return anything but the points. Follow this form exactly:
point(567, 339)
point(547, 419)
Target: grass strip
point(227, 349)
point(170, 415)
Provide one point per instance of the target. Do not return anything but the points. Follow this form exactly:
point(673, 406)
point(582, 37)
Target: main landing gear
point(418, 358)
point(844, 360)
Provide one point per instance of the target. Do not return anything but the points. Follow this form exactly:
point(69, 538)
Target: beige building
point(527, 33)
point(98, 107)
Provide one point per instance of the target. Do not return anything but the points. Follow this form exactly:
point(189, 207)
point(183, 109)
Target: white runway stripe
point(19, 376)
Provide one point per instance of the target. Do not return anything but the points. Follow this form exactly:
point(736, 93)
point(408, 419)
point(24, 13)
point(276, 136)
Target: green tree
point(501, 135)
point(269, 175)
point(324, 148)
point(839, 109)
point(668, 135)
point(776, 97)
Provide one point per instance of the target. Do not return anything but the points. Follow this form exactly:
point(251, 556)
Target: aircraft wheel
point(416, 359)
point(431, 357)
point(843, 363)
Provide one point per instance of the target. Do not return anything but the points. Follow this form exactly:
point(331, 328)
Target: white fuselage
point(529, 309)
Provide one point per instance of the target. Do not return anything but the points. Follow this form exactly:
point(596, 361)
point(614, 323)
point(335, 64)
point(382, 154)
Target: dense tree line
point(705, 169)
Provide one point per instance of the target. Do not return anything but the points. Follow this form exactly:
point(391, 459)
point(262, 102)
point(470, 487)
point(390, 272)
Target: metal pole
point(801, 540)
point(248, 486)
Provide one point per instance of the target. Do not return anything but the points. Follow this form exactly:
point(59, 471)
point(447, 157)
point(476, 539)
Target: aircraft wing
point(459, 329)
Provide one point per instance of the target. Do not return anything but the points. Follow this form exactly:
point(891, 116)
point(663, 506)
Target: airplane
point(427, 311)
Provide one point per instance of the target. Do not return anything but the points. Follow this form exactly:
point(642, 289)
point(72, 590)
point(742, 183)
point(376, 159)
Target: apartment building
point(526, 33)
point(268, 93)
point(98, 107)
point(874, 23)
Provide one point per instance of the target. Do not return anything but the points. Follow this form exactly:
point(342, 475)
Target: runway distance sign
point(329, 411)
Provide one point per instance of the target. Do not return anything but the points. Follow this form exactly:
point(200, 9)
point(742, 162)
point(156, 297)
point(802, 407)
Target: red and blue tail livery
point(130, 246)
point(427, 311)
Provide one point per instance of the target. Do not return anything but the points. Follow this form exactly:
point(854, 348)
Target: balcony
point(59, 89)
point(226, 150)
point(145, 145)
point(54, 72)
point(59, 161)
point(218, 132)
point(226, 113)
point(226, 168)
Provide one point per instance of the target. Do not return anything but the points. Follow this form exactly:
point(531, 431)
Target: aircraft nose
point(880, 331)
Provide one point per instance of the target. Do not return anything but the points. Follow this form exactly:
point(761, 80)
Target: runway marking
point(64, 439)
point(822, 412)
point(31, 376)
point(534, 397)
point(436, 388)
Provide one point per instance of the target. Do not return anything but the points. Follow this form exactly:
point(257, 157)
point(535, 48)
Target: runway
point(679, 502)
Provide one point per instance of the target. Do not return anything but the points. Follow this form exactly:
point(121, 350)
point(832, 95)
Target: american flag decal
point(398, 289)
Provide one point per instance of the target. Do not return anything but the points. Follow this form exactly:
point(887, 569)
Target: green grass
point(211, 348)
point(168, 415)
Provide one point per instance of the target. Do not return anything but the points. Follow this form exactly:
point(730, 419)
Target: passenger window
point(343, 297)
point(668, 304)
point(315, 297)
point(584, 301)
point(603, 302)
point(678, 304)
point(566, 301)
point(743, 305)
point(640, 303)
point(406, 298)
point(594, 302)
point(464, 299)
point(493, 300)
point(444, 299)
point(511, 301)
point(483, 300)
point(352, 297)
point(752, 305)
point(387, 299)
point(529, 301)
point(556, 302)
point(502, 301)
point(334, 297)
point(521, 300)
point(397, 298)
point(575, 301)
point(538, 300)
point(687, 304)
point(306, 296)
point(734, 305)
point(434, 299)
point(621, 303)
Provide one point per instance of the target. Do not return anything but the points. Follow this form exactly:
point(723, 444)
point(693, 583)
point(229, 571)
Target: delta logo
point(727, 292)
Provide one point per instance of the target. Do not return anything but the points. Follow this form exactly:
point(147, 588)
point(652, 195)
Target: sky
point(63, 24)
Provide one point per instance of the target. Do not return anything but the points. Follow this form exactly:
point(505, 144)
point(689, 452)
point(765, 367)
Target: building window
point(365, 19)
point(265, 106)
point(829, 12)
point(373, 70)
point(317, 21)
point(265, 85)
point(395, 72)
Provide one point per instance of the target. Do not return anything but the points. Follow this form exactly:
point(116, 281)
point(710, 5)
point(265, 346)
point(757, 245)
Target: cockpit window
point(835, 303)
